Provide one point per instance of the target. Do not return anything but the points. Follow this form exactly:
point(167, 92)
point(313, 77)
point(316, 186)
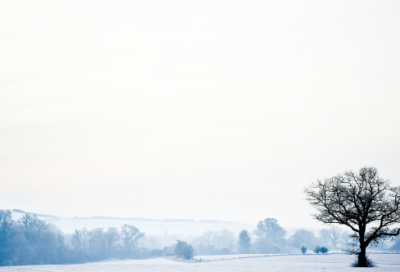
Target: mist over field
point(179, 131)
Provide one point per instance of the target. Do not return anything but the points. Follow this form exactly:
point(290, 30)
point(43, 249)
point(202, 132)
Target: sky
point(220, 110)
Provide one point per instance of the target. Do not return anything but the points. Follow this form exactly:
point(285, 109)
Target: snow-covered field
point(250, 263)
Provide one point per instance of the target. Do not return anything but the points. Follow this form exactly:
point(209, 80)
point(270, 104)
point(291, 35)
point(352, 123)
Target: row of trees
point(99, 244)
point(363, 202)
point(33, 241)
point(30, 241)
point(270, 237)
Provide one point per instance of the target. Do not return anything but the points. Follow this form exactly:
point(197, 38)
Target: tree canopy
point(362, 201)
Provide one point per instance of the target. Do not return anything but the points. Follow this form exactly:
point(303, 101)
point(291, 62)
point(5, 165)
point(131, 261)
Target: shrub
point(303, 249)
point(324, 250)
point(183, 250)
point(317, 250)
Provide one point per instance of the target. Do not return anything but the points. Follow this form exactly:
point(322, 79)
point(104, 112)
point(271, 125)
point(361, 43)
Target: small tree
point(364, 202)
point(270, 236)
point(303, 249)
point(244, 242)
point(324, 250)
point(270, 229)
point(183, 250)
point(317, 249)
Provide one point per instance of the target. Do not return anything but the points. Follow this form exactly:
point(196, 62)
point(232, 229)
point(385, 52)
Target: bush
point(317, 250)
point(303, 249)
point(183, 250)
point(324, 250)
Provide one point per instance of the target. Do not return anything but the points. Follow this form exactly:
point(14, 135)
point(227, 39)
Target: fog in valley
point(180, 130)
point(30, 239)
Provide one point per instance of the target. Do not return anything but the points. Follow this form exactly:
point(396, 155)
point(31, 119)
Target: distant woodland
point(31, 240)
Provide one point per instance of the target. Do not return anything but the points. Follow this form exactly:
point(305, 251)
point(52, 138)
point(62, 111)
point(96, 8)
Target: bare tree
point(335, 235)
point(270, 236)
point(330, 236)
point(364, 202)
point(269, 229)
point(324, 237)
point(97, 242)
point(5, 227)
point(32, 222)
point(112, 237)
point(224, 239)
point(302, 237)
point(85, 234)
point(77, 241)
point(130, 236)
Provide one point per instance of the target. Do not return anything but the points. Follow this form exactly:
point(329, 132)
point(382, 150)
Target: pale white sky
point(193, 109)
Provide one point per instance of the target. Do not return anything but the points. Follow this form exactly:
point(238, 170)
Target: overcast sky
point(194, 109)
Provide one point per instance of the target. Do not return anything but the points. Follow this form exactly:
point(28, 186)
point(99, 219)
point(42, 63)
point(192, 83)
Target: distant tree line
point(100, 244)
point(31, 240)
point(270, 237)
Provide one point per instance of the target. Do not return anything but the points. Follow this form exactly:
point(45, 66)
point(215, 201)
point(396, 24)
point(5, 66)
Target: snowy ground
point(250, 263)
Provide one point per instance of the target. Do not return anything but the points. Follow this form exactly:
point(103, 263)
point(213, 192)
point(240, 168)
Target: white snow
point(249, 263)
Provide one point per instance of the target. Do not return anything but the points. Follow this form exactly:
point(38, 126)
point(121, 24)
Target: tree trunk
point(362, 257)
